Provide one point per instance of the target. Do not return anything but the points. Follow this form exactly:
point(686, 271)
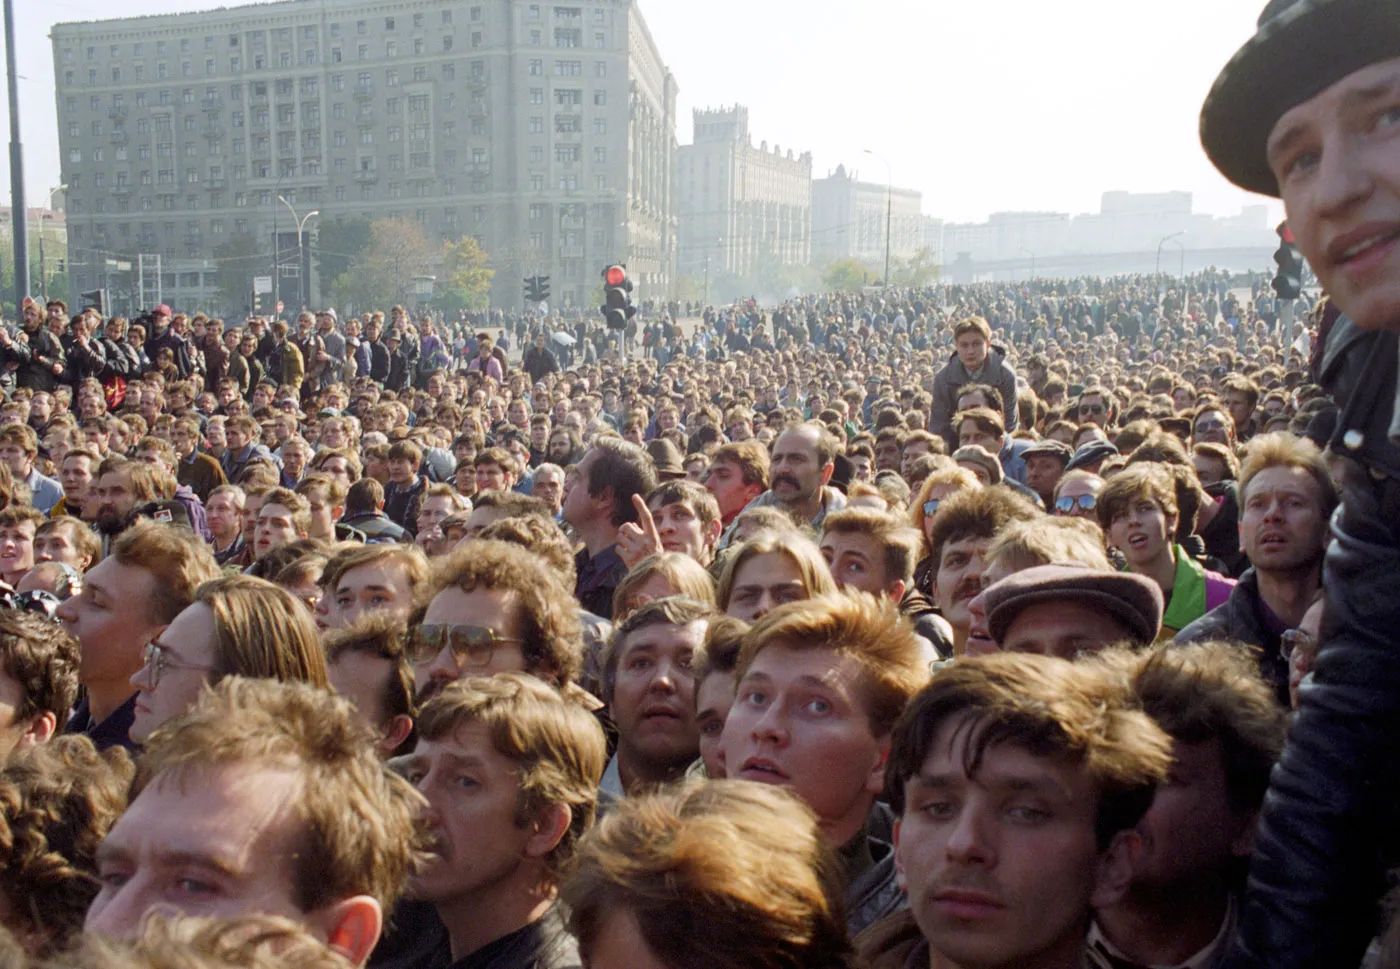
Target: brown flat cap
point(1134, 600)
point(980, 456)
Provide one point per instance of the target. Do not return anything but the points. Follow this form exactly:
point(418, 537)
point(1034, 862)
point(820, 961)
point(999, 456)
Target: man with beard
point(510, 772)
point(121, 485)
point(563, 447)
point(802, 464)
point(1287, 498)
point(962, 532)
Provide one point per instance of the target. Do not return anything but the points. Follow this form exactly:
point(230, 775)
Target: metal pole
point(19, 211)
point(43, 275)
point(889, 217)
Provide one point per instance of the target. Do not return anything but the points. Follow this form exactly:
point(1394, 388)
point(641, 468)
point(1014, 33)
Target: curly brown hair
point(42, 657)
point(186, 942)
point(724, 873)
point(549, 612)
point(57, 803)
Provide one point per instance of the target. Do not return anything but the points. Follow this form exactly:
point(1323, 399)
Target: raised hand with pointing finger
point(639, 539)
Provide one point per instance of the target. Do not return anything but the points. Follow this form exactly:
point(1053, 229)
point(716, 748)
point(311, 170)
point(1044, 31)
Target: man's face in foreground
point(221, 845)
point(1337, 160)
point(1003, 866)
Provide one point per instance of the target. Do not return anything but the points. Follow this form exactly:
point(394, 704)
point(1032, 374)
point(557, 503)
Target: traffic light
point(95, 298)
point(1288, 284)
point(532, 289)
point(542, 288)
point(617, 305)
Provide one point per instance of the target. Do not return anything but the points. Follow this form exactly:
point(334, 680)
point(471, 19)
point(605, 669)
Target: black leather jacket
point(1327, 833)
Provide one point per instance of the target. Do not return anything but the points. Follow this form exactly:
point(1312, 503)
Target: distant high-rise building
point(545, 130)
point(848, 220)
point(737, 203)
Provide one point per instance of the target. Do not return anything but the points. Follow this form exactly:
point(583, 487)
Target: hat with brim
point(1302, 47)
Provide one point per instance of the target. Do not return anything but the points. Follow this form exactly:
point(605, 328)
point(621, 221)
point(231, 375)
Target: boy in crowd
point(820, 684)
point(1017, 782)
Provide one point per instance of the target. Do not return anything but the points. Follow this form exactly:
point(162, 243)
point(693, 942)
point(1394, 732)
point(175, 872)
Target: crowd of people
point(970, 627)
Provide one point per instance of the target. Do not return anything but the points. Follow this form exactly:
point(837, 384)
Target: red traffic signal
point(614, 275)
point(1285, 233)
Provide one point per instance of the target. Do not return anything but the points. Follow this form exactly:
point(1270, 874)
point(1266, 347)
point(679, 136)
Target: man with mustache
point(962, 533)
point(803, 460)
point(510, 772)
point(1286, 502)
point(119, 487)
point(1016, 781)
point(819, 685)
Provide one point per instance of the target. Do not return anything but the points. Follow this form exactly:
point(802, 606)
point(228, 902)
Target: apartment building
point(545, 130)
point(738, 202)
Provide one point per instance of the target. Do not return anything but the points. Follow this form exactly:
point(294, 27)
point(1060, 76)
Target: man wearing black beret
point(1308, 111)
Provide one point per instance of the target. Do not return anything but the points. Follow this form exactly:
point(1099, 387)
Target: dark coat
point(996, 372)
point(1240, 618)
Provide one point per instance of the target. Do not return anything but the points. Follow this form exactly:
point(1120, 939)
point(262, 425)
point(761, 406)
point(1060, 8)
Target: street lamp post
point(1164, 241)
point(43, 269)
point(889, 209)
point(303, 292)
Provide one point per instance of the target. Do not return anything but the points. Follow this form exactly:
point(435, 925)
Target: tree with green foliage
point(465, 283)
point(847, 276)
point(339, 243)
point(239, 260)
point(382, 274)
point(916, 271)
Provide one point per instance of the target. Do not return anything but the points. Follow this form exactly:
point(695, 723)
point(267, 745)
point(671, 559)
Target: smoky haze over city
point(991, 140)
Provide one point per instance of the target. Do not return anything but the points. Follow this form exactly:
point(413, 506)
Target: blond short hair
point(870, 630)
point(1026, 544)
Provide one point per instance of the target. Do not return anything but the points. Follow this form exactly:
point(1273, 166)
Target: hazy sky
point(983, 105)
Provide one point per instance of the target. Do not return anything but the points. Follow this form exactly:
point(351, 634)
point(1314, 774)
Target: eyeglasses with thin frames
point(156, 658)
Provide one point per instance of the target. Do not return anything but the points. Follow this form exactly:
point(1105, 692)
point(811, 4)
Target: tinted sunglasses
point(1066, 504)
point(470, 645)
point(931, 506)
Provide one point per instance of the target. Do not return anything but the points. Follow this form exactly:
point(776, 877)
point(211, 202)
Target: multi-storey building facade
point(737, 202)
point(545, 130)
point(849, 217)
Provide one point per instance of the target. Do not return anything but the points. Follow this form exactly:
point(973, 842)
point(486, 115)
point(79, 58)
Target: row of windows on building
point(311, 115)
point(171, 201)
point(310, 57)
point(212, 101)
point(309, 33)
point(535, 67)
